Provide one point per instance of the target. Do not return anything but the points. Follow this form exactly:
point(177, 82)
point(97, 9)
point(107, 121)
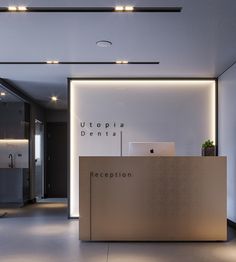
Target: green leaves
point(208, 143)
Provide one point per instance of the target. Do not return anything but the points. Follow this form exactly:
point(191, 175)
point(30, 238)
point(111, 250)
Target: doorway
point(39, 160)
point(56, 160)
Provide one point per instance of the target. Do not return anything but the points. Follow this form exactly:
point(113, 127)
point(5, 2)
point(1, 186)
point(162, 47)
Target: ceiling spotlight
point(119, 8)
point(54, 98)
point(22, 8)
point(12, 8)
point(2, 93)
point(129, 8)
point(122, 62)
point(52, 62)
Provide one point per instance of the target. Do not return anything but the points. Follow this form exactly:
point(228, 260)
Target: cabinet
point(14, 186)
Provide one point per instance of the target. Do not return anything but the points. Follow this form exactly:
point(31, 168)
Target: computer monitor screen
point(151, 148)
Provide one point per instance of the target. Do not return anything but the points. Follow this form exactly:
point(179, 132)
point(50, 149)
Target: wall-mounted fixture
point(2, 94)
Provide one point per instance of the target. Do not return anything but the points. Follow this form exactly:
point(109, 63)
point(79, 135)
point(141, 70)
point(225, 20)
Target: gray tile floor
point(42, 233)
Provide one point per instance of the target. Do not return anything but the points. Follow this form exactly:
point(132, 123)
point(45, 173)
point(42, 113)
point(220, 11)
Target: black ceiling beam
point(94, 10)
point(77, 63)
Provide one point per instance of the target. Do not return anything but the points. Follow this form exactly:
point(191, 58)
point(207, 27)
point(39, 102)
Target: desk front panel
point(153, 198)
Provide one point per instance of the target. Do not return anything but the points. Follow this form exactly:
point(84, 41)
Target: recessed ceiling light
point(22, 8)
point(54, 98)
point(119, 8)
point(104, 43)
point(2, 93)
point(12, 8)
point(52, 62)
point(129, 8)
point(122, 62)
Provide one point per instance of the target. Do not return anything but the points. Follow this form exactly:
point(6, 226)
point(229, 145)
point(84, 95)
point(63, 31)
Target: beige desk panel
point(164, 198)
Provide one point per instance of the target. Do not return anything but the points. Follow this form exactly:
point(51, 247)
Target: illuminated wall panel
point(105, 115)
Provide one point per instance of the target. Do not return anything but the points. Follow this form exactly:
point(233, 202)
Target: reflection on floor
point(42, 233)
point(51, 200)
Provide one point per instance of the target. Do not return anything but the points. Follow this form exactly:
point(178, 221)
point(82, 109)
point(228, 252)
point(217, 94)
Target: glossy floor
point(42, 233)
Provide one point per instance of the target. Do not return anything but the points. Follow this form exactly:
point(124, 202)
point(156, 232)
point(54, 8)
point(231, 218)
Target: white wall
point(227, 133)
point(178, 111)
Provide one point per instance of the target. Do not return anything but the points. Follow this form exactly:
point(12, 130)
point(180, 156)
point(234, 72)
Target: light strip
point(14, 141)
point(213, 113)
point(74, 183)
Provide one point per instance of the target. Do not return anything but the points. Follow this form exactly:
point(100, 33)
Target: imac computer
point(151, 149)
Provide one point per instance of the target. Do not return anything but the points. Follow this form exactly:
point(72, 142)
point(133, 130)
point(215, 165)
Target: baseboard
point(231, 223)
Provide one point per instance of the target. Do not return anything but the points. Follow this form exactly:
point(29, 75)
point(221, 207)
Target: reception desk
point(152, 199)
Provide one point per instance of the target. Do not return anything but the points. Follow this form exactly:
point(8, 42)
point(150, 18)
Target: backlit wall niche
point(182, 111)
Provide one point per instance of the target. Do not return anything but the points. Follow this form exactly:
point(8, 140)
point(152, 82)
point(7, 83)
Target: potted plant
point(208, 148)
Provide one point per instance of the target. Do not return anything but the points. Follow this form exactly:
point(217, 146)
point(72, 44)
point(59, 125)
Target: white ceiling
point(198, 42)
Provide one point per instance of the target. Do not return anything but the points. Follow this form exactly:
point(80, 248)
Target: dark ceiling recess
point(78, 63)
point(94, 9)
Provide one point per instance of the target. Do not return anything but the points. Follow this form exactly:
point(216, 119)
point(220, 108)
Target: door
point(56, 157)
